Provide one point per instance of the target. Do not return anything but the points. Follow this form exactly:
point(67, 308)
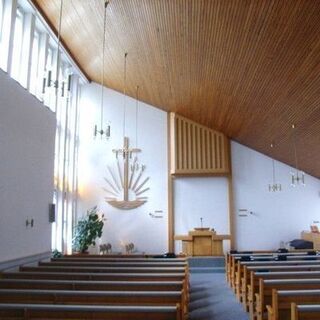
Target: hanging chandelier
point(274, 187)
point(107, 130)
point(297, 176)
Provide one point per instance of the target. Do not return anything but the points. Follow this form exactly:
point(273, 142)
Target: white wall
point(124, 226)
point(196, 197)
point(275, 217)
point(27, 130)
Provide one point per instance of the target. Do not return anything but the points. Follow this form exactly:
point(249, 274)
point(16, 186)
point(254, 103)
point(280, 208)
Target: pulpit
point(202, 242)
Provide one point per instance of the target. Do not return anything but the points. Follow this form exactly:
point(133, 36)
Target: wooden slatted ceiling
point(247, 68)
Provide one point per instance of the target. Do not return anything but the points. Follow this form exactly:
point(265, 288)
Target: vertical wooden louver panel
point(196, 149)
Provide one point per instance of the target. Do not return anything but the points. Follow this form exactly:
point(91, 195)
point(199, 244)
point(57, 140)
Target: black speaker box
point(52, 212)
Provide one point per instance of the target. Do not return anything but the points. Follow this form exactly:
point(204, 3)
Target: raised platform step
point(206, 264)
point(206, 270)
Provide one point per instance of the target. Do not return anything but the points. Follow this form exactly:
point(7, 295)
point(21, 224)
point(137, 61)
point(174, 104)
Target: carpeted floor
point(212, 299)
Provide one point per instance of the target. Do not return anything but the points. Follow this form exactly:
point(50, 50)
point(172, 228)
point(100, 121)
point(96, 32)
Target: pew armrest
point(257, 302)
point(270, 312)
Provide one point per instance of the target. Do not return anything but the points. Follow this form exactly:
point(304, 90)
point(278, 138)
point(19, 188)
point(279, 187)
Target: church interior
point(159, 159)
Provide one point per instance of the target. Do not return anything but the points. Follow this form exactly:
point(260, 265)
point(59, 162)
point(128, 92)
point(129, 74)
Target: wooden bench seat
point(253, 286)
point(103, 269)
point(103, 258)
point(242, 286)
point(242, 274)
point(91, 285)
point(264, 296)
point(280, 308)
point(89, 276)
point(305, 312)
point(68, 312)
point(113, 264)
point(232, 258)
point(92, 297)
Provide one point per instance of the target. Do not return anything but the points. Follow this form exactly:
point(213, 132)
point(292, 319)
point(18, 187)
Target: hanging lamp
point(274, 187)
point(297, 176)
point(107, 130)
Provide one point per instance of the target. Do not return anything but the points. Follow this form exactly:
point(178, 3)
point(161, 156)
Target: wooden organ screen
point(196, 149)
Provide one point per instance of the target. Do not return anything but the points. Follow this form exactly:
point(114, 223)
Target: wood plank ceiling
point(248, 68)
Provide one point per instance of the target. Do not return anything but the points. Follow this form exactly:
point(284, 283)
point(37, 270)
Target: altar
point(202, 242)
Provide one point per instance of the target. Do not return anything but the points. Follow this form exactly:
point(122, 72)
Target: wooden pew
point(92, 297)
point(305, 312)
point(94, 258)
point(92, 285)
point(68, 312)
point(233, 259)
point(95, 276)
point(131, 257)
point(264, 296)
point(154, 264)
point(103, 269)
point(243, 275)
point(253, 286)
point(280, 308)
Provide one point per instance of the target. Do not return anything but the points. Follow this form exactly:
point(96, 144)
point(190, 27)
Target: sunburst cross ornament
point(124, 188)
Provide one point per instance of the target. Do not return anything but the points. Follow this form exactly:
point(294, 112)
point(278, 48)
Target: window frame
point(2, 4)
point(16, 71)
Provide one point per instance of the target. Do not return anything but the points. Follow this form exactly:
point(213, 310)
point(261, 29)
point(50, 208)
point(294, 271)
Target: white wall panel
point(27, 131)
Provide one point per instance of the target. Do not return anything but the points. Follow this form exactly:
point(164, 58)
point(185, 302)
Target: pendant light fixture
point(135, 165)
point(103, 131)
point(124, 93)
point(47, 81)
point(297, 176)
point(274, 187)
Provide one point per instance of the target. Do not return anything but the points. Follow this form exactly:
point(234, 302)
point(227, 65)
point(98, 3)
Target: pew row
point(305, 312)
point(154, 264)
point(68, 312)
point(253, 286)
point(92, 285)
point(240, 271)
point(95, 258)
point(232, 259)
point(242, 285)
point(102, 269)
point(280, 308)
point(95, 276)
point(264, 296)
point(93, 297)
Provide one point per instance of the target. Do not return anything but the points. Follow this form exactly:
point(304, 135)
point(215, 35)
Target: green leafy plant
point(87, 230)
point(56, 254)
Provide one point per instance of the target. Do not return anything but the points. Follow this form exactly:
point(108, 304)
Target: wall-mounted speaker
point(52, 212)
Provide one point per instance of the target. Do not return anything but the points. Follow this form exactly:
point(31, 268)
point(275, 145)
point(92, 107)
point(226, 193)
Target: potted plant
point(87, 230)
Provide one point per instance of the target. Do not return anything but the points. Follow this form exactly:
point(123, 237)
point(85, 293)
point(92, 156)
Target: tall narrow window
point(1, 19)
point(17, 45)
point(48, 97)
point(34, 64)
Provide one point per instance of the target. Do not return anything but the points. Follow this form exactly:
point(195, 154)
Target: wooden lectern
point(202, 242)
